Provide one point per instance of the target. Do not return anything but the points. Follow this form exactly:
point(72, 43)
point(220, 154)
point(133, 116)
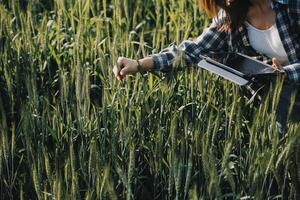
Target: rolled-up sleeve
point(210, 40)
point(165, 58)
point(293, 72)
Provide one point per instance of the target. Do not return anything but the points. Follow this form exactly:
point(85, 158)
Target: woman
point(269, 28)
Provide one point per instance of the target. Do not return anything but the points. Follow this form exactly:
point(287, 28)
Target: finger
point(121, 77)
point(120, 62)
point(276, 63)
point(124, 71)
point(116, 71)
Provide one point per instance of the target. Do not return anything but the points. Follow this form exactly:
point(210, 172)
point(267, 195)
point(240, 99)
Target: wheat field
point(70, 130)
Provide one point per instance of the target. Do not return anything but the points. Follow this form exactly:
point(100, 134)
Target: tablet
point(241, 65)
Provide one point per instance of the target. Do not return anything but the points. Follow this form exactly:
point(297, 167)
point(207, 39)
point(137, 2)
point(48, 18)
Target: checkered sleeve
point(210, 40)
point(293, 72)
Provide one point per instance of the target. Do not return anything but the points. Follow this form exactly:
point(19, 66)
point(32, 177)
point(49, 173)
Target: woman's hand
point(276, 64)
point(125, 66)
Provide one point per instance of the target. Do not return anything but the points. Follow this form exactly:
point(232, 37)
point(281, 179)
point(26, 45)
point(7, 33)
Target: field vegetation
point(70, 130)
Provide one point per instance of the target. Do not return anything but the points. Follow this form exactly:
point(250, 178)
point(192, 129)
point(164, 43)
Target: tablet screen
point(242, 65)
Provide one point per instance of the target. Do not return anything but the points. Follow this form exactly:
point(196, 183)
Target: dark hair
point(236, 12)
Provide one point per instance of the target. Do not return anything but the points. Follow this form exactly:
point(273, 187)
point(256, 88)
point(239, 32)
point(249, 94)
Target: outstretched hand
point(125, 66)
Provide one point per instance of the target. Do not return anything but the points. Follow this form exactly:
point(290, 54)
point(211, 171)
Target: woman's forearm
point(147, 63)
point(293, 72)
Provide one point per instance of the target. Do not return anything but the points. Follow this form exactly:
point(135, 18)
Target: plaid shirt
point(212, 40)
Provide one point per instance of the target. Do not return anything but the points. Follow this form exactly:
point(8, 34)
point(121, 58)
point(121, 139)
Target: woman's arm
point(211, 39)
point(293, 72)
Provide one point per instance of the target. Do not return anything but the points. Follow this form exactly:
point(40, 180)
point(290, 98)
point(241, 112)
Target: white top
point(267, 42)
